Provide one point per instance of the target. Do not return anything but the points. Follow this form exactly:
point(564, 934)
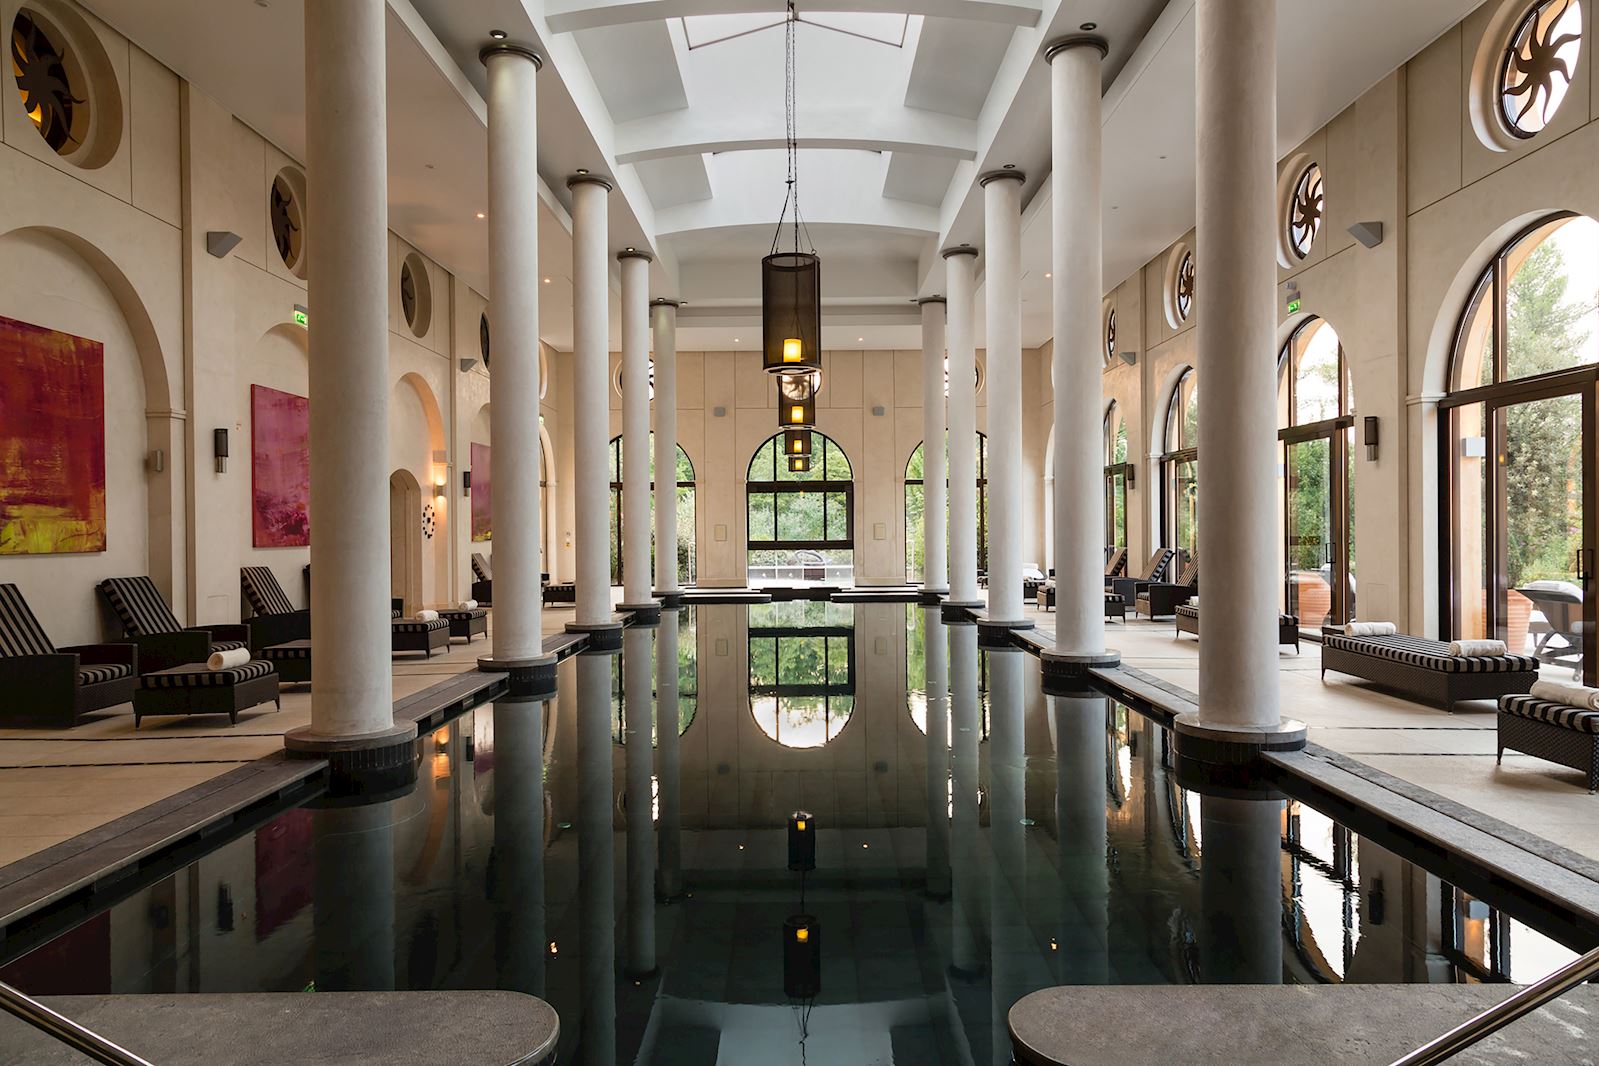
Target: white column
point(1084, 925)
point(591, 414)
point(1240, 890)
point(518, 887)
point(514, 386)
point(1236, 328)
point(1002, 230)
point(635, 430)
point(637, 648)
point(347, 160)
point(935, 469)
point(663, 317)
point(1078, 503)
point(960, 264)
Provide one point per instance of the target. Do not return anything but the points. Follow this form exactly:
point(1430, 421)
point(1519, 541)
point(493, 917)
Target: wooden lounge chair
point(279, 634)
point(1128, 587)
point(1554, 731)
point(1424, 670)
point(149, 622)
point(482, 579)
point(1115, 562)
point(1186, 619)
point(48, 687)
point(1558, 637)
point(1159, 599)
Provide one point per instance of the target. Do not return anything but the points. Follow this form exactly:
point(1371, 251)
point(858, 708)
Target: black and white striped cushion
point(262, 591)
point(139, 606)
point(200, 677)
point(20, 631)
point(227, 645)
point(294, 649)
point(1157, 563)
point(101, 673)
point(1429, 654)
point(1114, 598)
point(1190, 574)
point(1187, 610)
point(1577, 719)
point(458, 613)
point(480, 567)
point(412, 625)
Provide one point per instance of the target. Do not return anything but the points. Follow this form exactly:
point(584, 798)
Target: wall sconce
point(466, 483)
point(439, 488)
point(156, 461)
point(1132, 475)
point(219, 242)
point(1371, 438)
point(219, 448)
point(1367, 233)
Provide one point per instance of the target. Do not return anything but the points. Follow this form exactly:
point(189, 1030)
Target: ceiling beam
point(565, 16)
point(884, 129)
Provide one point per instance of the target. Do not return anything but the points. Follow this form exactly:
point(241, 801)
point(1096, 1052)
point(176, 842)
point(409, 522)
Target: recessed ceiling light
point(548, 280)
point(1048, 275)
point(481, 215)
point(735, 340)
point(580, 170)
point(498, 35)
point(1010, 166)
point(860, 340)
point(1089, 27)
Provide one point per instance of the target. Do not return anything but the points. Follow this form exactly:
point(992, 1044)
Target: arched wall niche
point(416, 446)
point(61, 281)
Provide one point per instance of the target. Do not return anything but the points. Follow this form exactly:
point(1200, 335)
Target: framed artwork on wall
point(280, 469)
point(482, 496)
point(52, 441)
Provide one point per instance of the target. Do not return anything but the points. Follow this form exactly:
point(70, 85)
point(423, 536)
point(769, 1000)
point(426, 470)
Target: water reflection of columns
point(596, 860)
point(519, 845)
point(1240, 890)
point(669, 852)
point(935, 649)
point(354, 920)
point(637, 646)
point(1011, 943)
point(968, 888)
point(1080, 770)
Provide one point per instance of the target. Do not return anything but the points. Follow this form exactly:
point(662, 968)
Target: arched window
point(685, 513)
point(1315, 428)
point(1179, 467)
point(915, 505)
point(1119, 477)
point(801, 522)
point(1517, 542)
point(802, 670)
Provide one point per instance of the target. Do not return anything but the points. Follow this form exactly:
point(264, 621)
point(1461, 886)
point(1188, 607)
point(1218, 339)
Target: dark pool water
point(970, 848)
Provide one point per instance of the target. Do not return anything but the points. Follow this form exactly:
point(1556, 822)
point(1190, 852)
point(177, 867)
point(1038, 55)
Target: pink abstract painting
point(280, 468)
point(52, 441)
point(482, 497)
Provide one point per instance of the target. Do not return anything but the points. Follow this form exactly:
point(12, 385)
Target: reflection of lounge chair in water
point(1558, 636)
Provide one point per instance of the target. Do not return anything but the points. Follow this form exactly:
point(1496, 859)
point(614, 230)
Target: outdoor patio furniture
point(1159, 599)
point(416, 634)
point(1115, 606)
point(1557, 639)
point(1424, 670)
point(1186, 620)
point(482, 579)
point(1115, 562)
point(466, 623)
point(1128, 587)
point(1554, 731)
point(279, 634)
point(197, 689)
point(149, 622)
point(48, 687)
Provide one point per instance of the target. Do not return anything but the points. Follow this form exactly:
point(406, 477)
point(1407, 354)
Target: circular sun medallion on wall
point(287, 219)
point(416, 295)
point(66, 85)
point(1305, 207)
point(1179, 285)
point(1110, 336)
point(1524, 69)
point(483, 337)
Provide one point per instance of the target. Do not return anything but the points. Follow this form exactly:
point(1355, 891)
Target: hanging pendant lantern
point(791, 312)
point(799, 464)
point(796, 401)
point(796, 442)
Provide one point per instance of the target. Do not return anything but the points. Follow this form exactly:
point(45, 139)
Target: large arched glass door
point(1179, 468)
point(1518, 541)
point(801, 522)
point(1118, 478)
point(916, 504)
point(685, 513)
point(1314, 405)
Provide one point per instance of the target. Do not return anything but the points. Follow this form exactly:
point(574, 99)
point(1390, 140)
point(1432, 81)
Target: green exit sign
point(1293, 307)
point(301, 318)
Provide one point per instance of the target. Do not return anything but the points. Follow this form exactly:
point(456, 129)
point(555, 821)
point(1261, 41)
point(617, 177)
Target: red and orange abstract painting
point(482, 494)
point(280, 468)
point(52, 441)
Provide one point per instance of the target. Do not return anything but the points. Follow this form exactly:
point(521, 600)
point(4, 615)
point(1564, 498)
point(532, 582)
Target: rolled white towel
point(1477, 648)
point(468, 605)
point(427, 616)
point(1567, 692)
point(1370, 629)
point(223, 660)
point(1193, 601)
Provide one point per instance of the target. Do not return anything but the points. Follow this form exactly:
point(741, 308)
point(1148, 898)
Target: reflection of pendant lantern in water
point(802, 957)
point(801, 842)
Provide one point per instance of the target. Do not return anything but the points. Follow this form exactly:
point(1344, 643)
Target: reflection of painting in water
point(52, 441)
point(280, 468)
point(482, 494)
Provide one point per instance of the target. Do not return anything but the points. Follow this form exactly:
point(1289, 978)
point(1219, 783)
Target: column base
point(530, 676)
point(603, 636)
point(932, 597)
point(647, 613)
point(379, 763)
point(961, 610)
point(996, 632)
point(1226, 756)
point(1057, 664)
point(669, 598)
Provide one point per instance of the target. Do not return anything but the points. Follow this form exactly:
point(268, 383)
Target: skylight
point(703, 30)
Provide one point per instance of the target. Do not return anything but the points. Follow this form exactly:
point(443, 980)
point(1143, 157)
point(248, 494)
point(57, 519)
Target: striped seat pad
point(1428, 654)
point(1187, 610)
point(294, 649)
point(1577, 719)
point(103, 672)
point(227, 645)
point(1114, 598)
point(411, 625)
point(456, 612)
point(262, 591)
point(200, 677)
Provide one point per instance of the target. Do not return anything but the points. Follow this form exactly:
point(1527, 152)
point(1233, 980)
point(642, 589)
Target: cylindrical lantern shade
point(791, 312)
point(801, 841)
point(799, 464)
point(796, 442)
point(796, 400)
point(802, 957)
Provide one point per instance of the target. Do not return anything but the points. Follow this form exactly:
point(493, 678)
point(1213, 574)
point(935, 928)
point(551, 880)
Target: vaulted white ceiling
point(901, 104)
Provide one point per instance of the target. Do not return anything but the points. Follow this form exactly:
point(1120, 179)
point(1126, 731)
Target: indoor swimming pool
point(623, 850)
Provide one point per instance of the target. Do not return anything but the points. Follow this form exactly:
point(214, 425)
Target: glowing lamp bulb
point(802, 934)
point(800, 825)
point(796, 413)
point(792, 351)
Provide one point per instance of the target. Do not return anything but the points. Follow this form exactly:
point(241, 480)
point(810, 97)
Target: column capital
point(1075, 40)
point(507, 48)
point(589, 179)
point(634, 253)
point(1010, 174)
point(923, 300)
point(661, 301)
point(963, 249)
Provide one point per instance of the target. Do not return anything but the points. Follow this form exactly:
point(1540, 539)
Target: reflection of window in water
point(687, 676)
point(1478, 940)
point(801, 671)
point(1321, 890)
point(916, 674)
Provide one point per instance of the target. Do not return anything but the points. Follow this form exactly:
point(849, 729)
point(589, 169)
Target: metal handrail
point(64, 1029)
point(1503, 1013)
